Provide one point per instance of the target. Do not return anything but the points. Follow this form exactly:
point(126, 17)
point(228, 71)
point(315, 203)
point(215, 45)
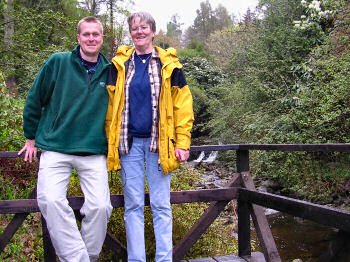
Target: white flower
point(316, 3)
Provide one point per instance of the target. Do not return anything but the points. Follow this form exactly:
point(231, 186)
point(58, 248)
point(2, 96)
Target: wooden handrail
point(324, 215)
point(339, 147)
point(176, 197)
point(336, 147)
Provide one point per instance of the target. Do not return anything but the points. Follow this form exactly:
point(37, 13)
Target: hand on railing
point(30, 150)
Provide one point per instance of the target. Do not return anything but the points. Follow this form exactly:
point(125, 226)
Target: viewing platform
point(241, 188)
point(255, 257)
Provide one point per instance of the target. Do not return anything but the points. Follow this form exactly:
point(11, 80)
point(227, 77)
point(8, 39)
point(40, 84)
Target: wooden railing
point(250, 204)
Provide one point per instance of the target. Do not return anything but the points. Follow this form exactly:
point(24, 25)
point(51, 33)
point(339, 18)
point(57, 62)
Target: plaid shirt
point(155, 82)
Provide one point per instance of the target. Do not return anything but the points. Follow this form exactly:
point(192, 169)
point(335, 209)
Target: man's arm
point(38, 96)
point(30, 150)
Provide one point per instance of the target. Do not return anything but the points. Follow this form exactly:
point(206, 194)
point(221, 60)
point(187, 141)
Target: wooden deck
point(256, 257)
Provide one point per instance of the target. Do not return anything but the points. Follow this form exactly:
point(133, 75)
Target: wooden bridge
point(250, 204)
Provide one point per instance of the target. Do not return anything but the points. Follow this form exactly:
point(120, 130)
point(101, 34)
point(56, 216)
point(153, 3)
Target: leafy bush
point(320, 116)
point(195, 49)
point(26, 245)
point(37, 34)
point(206, 73)
point(201, 111)
point(11, 134)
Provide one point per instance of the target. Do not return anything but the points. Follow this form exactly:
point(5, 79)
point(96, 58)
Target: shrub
point(11, 134)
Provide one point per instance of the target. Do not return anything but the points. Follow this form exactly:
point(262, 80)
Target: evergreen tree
point(207, 21)
point(174, 27)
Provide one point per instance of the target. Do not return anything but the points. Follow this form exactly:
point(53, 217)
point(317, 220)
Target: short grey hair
point(89, 19)
point(144, 16)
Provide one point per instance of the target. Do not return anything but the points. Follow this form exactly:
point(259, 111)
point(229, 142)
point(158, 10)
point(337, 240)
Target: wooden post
point(244, 249)
point(261, 225)
point(49, 250)
point(117, 247)
point(242, 160)
point(202, 224)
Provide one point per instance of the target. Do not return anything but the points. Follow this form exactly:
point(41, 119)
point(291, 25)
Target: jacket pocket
point(172, 161)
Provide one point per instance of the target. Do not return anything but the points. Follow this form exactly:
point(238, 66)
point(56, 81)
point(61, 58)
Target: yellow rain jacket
point(175, 110)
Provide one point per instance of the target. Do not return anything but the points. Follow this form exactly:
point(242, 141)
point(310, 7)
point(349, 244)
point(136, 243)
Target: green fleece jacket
point(65, 111)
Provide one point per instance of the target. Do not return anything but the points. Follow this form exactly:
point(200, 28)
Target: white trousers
point(55, 170)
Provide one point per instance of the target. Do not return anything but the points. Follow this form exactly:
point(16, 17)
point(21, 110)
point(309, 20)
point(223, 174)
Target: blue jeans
point(134, 165)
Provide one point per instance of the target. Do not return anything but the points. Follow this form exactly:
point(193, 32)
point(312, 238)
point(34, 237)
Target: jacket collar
point(76, 49)
point(167, 57)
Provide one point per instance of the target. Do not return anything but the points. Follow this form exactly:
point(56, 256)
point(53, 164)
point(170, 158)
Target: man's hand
point(30, 150)
point(182, 155)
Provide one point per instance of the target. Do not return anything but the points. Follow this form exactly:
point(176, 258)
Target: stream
point(295, 238)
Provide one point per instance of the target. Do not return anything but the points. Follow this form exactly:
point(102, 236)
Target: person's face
point(142, 35)
point(90, 39)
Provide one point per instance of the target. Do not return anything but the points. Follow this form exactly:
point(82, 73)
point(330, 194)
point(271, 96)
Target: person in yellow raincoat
point(148, 124)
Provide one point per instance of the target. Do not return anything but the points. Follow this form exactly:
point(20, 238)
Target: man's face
point(90, 40)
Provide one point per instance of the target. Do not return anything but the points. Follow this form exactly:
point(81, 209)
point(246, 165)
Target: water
point(295, 237)
point(298, 238)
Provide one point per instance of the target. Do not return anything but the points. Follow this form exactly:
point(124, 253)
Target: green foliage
point(200, 108)
point(195, 49)
point(37, 34)
point(288, 86)
point(205, 72)
point(7, 189)
point(234, 118)
point(11, 134)
point(319, 112)
point(17, 180)
point(316, 177)
point(202, 76)
point(26, 245)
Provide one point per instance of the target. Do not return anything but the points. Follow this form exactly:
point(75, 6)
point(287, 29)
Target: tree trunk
point(10, 25)
point(8, 41)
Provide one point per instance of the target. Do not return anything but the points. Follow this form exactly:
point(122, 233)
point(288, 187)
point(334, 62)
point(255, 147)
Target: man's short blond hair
point(89, 19)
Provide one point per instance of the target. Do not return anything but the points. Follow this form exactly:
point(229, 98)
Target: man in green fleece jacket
point(64, 116)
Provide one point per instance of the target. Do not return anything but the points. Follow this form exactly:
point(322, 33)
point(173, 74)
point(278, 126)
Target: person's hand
point(181, 154)
point(30, 150)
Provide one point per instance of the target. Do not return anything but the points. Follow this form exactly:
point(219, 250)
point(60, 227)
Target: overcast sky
point(162, 10)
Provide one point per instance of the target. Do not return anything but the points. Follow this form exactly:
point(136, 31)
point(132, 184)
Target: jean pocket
point(122, 176)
